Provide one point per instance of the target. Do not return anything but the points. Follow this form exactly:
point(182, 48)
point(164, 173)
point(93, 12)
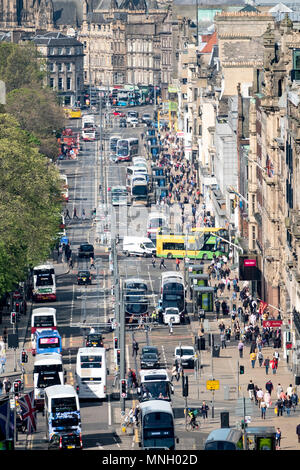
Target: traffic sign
point(212, 385)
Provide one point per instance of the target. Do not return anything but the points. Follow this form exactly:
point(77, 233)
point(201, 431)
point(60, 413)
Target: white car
point(133, 122)
point(186, 356)
point(171, 314)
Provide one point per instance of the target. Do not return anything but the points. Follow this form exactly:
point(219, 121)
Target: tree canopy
point(30, 203)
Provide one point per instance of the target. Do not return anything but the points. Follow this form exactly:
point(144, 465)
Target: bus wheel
point(169, 255)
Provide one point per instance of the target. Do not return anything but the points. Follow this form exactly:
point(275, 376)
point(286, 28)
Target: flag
point(269, 167)
point(6, 421)
point(28, 411)
point(262, 307)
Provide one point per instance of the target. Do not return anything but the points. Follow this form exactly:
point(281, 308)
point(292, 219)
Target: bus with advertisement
point(193, 246)
point(127, 148)
point(44, 283)
point(43, 318)
point(47, 341)
point(62, 415)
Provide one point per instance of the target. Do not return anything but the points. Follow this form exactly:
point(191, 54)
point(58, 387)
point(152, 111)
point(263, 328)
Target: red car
point(118, 113)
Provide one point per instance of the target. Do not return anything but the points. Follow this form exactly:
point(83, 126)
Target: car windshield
point(149, 350)
point(84, 273)
point(184, 352)
point(86, 247)
point(149, 356)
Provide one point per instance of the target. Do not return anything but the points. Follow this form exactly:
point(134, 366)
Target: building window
point(253, 237)
point(51, 82)
point(69, 81)
point(51, 51)
point(60, 83)
point(68, 50)
point(253, 204)
point(51, 67)
point(68, 67)
point(60, 51)
point(60, 67)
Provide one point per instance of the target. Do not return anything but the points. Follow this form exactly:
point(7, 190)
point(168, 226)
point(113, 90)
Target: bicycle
point(192, 425)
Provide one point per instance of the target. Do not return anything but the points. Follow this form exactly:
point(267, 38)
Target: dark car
point(122, 122)
point(65, 441)
point(149, 361)
point(86, 250)
point(84, 277)
point(94, 340)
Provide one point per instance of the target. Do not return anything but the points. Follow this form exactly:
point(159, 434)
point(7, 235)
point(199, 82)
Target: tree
point(38, 113)
point(30, 203)
point(21, 65)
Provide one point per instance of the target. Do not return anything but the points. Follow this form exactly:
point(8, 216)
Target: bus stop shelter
point(202, 299)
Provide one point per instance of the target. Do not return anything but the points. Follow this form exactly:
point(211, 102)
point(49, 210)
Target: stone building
point(65, 65)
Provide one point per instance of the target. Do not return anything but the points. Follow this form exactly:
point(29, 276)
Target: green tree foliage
point(38, 113)
point(30, 203)
point(20, 65)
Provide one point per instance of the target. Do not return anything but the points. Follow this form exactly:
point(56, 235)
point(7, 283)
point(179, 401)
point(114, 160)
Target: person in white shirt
point(259, 396)
point(289, 390)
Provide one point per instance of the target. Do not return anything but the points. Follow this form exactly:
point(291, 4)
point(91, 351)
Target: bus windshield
point(42, 321)
point(44, 280)
point(48, 375)
point(140, 190)
point(63, 405)
point(155, 390)
point(90, 362)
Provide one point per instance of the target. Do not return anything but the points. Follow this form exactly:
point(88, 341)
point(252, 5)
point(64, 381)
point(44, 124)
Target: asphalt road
point(79, 305)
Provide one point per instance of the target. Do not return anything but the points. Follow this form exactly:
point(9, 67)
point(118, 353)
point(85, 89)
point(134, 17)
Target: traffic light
point(124, 388)
point(242, 369)
point(116, 341)
point(24, 357)
point(185, 386)
point(16, 388)
point(13, 317)
point(118, 357)
point(17, 307)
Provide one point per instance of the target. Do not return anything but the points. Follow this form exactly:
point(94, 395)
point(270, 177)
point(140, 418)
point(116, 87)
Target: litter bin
point(216, 350)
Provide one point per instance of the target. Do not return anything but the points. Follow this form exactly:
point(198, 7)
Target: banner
point(272, 323)
point(6, 421)
point(28, 411)
point(262, 307)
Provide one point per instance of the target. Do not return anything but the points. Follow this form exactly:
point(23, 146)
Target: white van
point(186, 355)
point(171, 314)
point(138, 246)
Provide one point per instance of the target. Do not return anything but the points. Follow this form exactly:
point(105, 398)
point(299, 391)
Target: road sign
point(212, 385)
point(272, 323)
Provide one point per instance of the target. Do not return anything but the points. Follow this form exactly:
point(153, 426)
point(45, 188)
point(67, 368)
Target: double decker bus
point(91, 373)
point(157, 428)
point(44, 283)
point(47, 371)
point(48, 341)
point(173, 292)
point(113, 140)
point(127, 148)
point(43, 318)
point(62, 414)
point(136, 300)
point(155, 384)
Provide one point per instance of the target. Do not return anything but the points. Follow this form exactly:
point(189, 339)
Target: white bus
point(119, 196)
point(47, 371)
point(88, 131)
point(62, 414)
point(91, 373)
point(127, 148)
point(155, 384)
point(43, 318)
point(113, 140)
point(44, 283)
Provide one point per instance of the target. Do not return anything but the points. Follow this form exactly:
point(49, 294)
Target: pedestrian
point(162, 264)
point(135, 348)
point(67, 214)
point(153, 261)
point(174, 373)
point(289, 390)
point(294, 398)
point(250, 390)
point(269, 387)
point(241, 348)
point(267, 364)
point(130, 378)
point(278, 438)
point(170, 327)
point(2, 363)
point(263, 409)
point(279, 390)
point(136, 414)
point(273, 364)
point(267, 398)
point(5, 335)
point(298, 432)
point(288, 405)
point(83, 214)
point(204, 409)
point(75, 216)
point(253, 359)
point(259, 397)
point(92, 263)
point(7, 385)
point(279, 407)
point(177, 264)
point(260, 358)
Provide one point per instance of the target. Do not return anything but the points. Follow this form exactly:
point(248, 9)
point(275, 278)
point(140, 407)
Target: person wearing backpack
point(7, 385)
